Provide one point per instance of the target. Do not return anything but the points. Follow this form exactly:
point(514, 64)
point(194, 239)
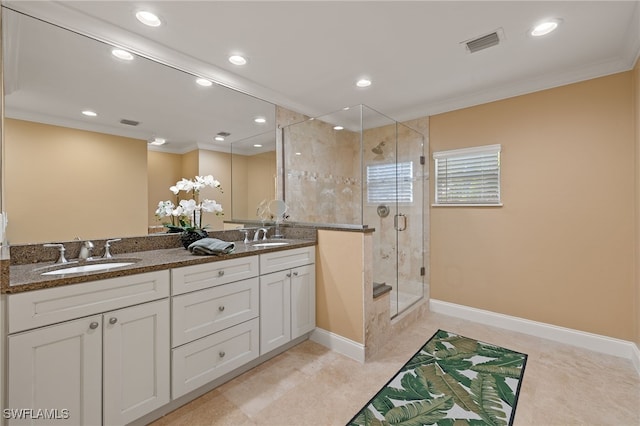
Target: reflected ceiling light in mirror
point(363, 82)
point(237, 60)
point(338, 127)
point(204, 82)
point(545, 27)
point(260, 120)
point(122, 54)
point(298, 153)
point(148, 18)
point(257, 145)
point(157, 141)
point(89, 113)
point(221, 136)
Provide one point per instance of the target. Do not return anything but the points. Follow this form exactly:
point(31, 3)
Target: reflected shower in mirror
point(79, 122)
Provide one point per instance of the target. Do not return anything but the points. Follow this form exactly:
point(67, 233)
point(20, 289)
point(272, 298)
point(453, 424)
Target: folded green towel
point(211, 246)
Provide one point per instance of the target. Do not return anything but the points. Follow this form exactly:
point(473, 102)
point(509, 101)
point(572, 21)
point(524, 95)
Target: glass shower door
point(393, 155)
point(409, 224)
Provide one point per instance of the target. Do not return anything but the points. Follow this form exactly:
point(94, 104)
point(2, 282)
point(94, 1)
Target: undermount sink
point(270, 244)
point(90, 267)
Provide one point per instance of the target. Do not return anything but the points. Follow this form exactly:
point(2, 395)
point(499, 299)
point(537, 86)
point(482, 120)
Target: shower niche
point(359, 168)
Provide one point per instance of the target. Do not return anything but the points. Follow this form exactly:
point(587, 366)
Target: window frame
point(478, 151)
point(399, 180)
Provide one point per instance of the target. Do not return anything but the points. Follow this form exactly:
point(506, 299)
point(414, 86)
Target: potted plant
point(186, 213)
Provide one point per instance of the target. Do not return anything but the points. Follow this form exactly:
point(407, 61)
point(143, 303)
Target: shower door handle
point(400, 222)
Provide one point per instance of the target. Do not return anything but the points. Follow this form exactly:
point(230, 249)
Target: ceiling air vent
point(484, 42)
point(129, 122)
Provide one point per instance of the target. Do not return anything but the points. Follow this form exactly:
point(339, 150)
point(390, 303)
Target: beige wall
point(64, 183)
point(561, 250)
point(636, 117)
point(254, 181)
point(339, 283)
point(164, 170)
point(217, 164)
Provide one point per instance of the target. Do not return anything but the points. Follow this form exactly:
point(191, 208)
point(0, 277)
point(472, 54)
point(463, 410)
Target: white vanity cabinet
point(91, 353)
point(214, 328)
point(287, 296)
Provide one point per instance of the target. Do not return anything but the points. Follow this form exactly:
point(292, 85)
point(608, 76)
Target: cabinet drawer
point(286, 259)
point(198, 277)
point(44, 307)
point(200, 313)
point(197, 363)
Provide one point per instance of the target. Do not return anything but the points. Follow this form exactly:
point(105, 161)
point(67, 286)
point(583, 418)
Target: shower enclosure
point(356, 167)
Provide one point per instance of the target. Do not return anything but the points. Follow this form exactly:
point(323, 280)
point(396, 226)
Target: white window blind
point(469, 176)
point(390, 183)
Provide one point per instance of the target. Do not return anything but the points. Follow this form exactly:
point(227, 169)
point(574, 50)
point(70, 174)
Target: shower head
point(378, 148)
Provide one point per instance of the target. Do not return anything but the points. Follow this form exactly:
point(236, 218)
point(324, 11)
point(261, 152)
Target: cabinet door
point(303, 300)
point(58, 368)
point(136, 361)
point(275, 310)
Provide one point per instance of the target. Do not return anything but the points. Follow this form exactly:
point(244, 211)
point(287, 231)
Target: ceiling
point(307, 56)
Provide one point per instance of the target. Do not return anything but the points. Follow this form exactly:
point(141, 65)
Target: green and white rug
point(451, 380)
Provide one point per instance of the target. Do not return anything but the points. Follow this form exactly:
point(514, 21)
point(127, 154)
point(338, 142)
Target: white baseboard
point(335, 342)
point(582, 339)
point(636, 358)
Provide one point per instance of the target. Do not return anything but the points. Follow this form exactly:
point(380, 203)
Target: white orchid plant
point(186, 214)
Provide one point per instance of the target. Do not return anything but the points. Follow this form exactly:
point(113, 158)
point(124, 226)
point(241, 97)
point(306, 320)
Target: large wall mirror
point(71, 175)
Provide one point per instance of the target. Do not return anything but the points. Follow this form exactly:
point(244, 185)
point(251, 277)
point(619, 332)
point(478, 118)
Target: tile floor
point(311, 385)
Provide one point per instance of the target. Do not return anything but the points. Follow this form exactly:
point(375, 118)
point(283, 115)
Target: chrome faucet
point(85, 251)
point(61, 249)
point(257, 234)
point(107, 247)
point(245, 232)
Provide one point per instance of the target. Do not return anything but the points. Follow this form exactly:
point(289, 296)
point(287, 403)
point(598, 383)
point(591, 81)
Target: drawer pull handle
point(220, 273)
point(113, 320)
point(295, 274)
point(221, 308)
point(93, 325)
point(222, 354)
point(288, 274)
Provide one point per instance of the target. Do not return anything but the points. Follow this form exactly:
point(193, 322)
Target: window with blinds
point(390, 183)
point(469, 176)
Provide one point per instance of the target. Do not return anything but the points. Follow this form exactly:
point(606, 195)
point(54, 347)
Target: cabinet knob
point(288, 274)
point(221, 308)
point(113, 320)
point(220, 273)
point(93, 325)
point(295, 274)
point(222, 354)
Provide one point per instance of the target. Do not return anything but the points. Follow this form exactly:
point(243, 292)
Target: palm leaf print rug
point(452, 380)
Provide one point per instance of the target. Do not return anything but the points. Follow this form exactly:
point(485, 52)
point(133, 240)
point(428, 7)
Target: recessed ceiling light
point(257, 145)
point(363, 82)
point(219, 138)
point(237, 60)
point(338, 128)
point(89, 113)
point(148, 18)
point(260, 120)
point(298, 153)
point(204, 82)
point(122, 54)
point(158, 141)
point(545, 27)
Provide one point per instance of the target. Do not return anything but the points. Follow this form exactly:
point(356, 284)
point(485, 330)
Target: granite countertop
point(26, 277)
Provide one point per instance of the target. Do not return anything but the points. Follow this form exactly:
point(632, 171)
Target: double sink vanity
point(129, 338)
